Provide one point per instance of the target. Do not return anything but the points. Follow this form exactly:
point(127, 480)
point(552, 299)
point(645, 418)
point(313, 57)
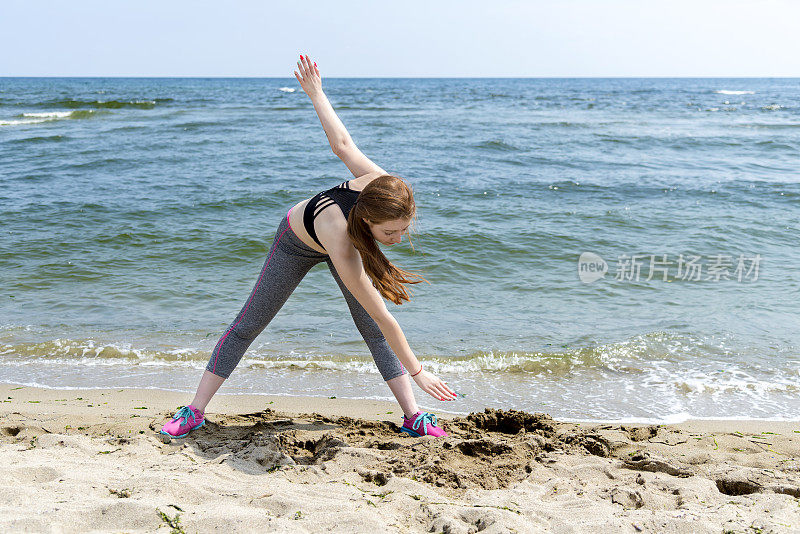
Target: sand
point(92, 461)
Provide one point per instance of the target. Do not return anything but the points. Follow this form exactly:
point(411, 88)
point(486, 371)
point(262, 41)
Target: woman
point(340, 226)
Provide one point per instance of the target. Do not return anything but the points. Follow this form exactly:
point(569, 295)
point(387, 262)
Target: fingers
point(307, 67)
point(447, 388)
point(439, 392)
point(308, 64)
point(445, 393)
point(431, 390)
point(299, 79)
point(435, 394)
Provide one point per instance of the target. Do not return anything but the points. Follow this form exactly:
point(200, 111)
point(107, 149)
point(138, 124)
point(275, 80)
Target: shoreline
point(92, 460)
point(363, 407)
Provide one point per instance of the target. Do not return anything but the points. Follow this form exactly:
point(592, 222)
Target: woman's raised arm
point(338, 137)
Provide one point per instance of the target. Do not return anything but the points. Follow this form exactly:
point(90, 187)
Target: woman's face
point(389, 232)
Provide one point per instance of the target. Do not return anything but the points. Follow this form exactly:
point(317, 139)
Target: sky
point(433, 38)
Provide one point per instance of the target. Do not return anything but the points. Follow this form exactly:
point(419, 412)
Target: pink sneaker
point(187, 419)
point(422, 424)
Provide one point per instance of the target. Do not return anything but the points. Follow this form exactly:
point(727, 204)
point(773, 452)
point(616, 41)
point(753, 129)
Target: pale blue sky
point(411, 38)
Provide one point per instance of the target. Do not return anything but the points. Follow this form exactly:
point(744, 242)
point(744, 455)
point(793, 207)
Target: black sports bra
point(341, 195)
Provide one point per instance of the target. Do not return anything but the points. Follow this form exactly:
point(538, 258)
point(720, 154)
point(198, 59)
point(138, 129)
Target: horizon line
point(408, 77)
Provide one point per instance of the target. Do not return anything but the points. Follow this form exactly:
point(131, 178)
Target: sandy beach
point(93, 461)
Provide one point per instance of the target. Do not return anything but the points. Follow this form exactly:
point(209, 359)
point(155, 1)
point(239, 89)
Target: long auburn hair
point(385, 198)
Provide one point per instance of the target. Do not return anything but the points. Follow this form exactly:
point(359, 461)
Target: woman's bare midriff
point(296, 213)
point(296, 223)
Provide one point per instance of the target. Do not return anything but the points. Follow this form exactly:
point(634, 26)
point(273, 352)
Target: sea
point(621, 249)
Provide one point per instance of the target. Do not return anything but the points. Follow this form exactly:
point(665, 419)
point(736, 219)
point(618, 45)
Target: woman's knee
point(246, 332)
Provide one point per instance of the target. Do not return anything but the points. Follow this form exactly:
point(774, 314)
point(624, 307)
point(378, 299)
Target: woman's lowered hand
point(434, 386)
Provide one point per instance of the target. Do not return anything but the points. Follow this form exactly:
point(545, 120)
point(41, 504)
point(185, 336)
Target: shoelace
point(184, 414)
point(422, 419)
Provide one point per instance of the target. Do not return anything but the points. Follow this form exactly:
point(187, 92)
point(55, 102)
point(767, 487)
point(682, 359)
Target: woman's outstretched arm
point(338, 137)
point(347, 262)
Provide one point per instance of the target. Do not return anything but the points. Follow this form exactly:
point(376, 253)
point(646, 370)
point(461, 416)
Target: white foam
point(22, 121)
point(675, 418)
point(728, 92)
point(37, 117)
point(49, 114)
point(363, 366)
point(287, 89)
point(669, 419)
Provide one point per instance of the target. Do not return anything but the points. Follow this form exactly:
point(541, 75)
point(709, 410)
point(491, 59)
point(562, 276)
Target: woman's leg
point(209, 384)
point(401, 388)
point(285, 266)
point(389, 366)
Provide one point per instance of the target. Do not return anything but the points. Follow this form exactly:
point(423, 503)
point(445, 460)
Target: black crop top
point(341, 195)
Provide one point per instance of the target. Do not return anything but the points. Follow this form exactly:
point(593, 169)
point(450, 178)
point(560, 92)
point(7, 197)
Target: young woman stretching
point(340, 226)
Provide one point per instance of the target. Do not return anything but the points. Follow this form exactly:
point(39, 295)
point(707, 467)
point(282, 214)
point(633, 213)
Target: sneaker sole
point(410, 432)
point(417, 434)
point(186, 434)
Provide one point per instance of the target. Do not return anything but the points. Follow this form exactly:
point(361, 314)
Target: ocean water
point(602, 249)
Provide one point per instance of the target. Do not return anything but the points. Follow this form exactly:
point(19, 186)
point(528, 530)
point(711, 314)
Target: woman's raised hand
point(433, 386)
point(309, 77)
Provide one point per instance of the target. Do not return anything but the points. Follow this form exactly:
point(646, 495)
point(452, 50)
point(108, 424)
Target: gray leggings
point(287, 263)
